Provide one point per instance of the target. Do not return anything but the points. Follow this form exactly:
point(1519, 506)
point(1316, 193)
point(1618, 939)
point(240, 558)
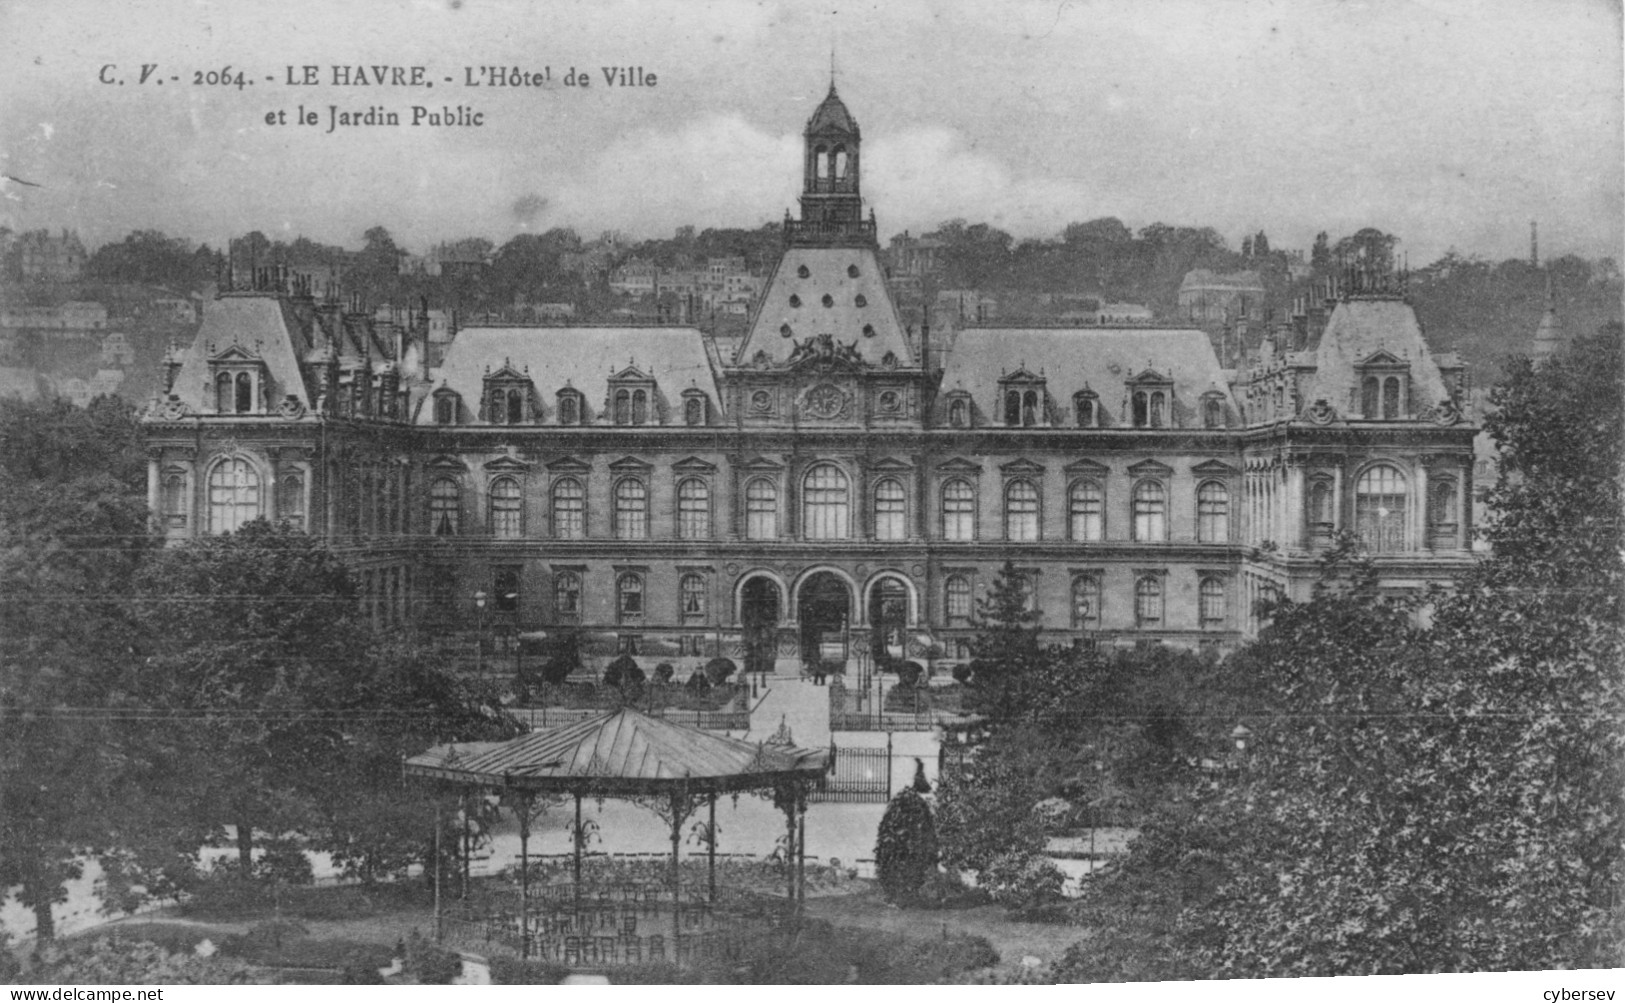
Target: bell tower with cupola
point(831, 200)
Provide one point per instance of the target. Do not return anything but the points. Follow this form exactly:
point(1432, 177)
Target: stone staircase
point(801, 706)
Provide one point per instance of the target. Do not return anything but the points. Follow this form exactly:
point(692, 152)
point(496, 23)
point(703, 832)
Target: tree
point(905, 847)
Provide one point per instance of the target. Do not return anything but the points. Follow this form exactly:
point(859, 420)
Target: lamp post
point(479, 636)
point(511, 600)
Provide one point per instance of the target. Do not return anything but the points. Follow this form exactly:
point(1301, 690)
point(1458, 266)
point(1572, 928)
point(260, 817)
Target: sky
point(1451, 123)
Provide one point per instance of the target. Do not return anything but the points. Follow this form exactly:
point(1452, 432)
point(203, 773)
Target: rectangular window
point(505, 586)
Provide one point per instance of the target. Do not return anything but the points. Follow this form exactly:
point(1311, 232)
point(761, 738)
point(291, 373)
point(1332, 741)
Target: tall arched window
point(1086, 602)
point(569, 509)
point(1142, 409)
point(1379, 509)
point(1029, 408)
point(445, 506)
point(1150, 512)
point(234, 495)
point(445, 410)
point(1213, 413)
point(1148, 601)
point(290, 499)
point(506, 513)
point(245, 393)
point(693, 509)
point(956, 592)
point(1390, 397)
point(821, 163)
point(1084, 405)
point(631, 510)
point(172, 499)
point(640, 407)
point(1370, 387)
point(1012, 407)
point(958, 510)
point(891, 510)
point(516, 406)
point(629, 598)
point(840, 163)
point(1443, 512)
point(1212, 513)
point(1211, 602)
point(623, 407)
point(567, 594)
point(1158, 404)
point(958, 413)
point(1320, 508)
point(1021, 511)
point(761, 510)
point(691, 596)
point(1086, 511)
point(569, 409)
point(694, 411)
point(223, 394)
point(824, 506)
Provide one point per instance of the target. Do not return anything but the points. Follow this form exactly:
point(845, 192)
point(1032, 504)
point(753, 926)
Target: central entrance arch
point(824, 610)
point(888, 619)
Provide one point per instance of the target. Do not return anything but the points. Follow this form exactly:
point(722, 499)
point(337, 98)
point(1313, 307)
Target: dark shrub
point(919, 784)
point(719, 669)
point(906, 847)
point(624, 673)
point(698, 682)
point(962, 672)
point(430, 964)
point(664, 672)
point(506, 971)
point(557, 669)
point(1023, 881)
point(908, 673)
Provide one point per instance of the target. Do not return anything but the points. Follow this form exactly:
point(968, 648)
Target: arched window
point(1211, 602)
point(1369, 389)
point(958, 413)
point(1150, 512)
point(1379, 509)
point(629, 598)
point(956, 593)
point(445, 410)
point(1086, 602)
point(1212, 513)
point(1021, 511)
point(761, 510)
point(1142, 405)
point(290, 500)
point(234, 495)
point(623, 407)
point(1442, 512)
point(1213, 413)
point(1320, 508)
point(1086, 511)
point(1148, 601)
point(1029, 408)
point(445, 505)
point(691, 595)
point(631, 510)
point(569, 509)
point(569, 409)
point(1390, 397)
point(1158, 402)
point(1084, 405)
point(821, 163)
point(693, 509)
point(958, 510)
point(824, 508)
point(516, 406)
point(222, 394)
point(172, 499)
point(567, 594)
point(640, 407)
point(506, 521)
point(840, 163)
point(1012, 407)
point(245, 393)
point(891, 510)
point(694, 411)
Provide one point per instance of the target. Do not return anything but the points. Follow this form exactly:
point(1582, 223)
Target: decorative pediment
point(632, 374)
point(630, 464)
point(1150, 468)
point(761, 463)
point(509, 463)
point(508, 372)
point(959, 465)
point(1021, 466)
point(1382, 359)
point(1214, 468)
point(1150, 376)
point(1086, 468)
point(694, 465)
point(235, 353)
point(568, 465)
point(447, 464)
point(1021, 375)
point(890, 463)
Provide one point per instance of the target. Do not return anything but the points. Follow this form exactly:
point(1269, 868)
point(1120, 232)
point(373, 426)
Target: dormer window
point(446, 406)
point(570, 410)
point(239, 382)
point(631, 396)
point(1213, 410)
point(958, 413)
point(509, 397)
point(1384, 387)
point(1022, 398)
point(696, 409)
point(1087, 406)
point(1151, 399)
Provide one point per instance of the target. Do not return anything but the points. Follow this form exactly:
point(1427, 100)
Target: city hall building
point(839, 480)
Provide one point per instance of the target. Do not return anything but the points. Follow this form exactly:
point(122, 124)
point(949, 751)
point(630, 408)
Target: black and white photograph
point(763, 492)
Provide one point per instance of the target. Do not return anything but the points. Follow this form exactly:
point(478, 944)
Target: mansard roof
point(1103, 359)
point(829, 272)
point(264, 325)
point(1362, 328)
point(585, 358)
point(831, 115)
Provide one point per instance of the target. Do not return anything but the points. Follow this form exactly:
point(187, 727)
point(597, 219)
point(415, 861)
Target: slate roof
point(1101, 359)
point(1360, 328)
point(831, 114)
point(622, 752)
point(581, 357)
point(829, 274)
point(263, 325)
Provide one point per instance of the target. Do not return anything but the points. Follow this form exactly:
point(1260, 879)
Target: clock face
point(761, 400)
point(890, 401)
point(825, 401)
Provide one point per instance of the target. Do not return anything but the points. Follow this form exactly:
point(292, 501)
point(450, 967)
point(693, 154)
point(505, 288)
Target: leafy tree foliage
point(906, 846)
